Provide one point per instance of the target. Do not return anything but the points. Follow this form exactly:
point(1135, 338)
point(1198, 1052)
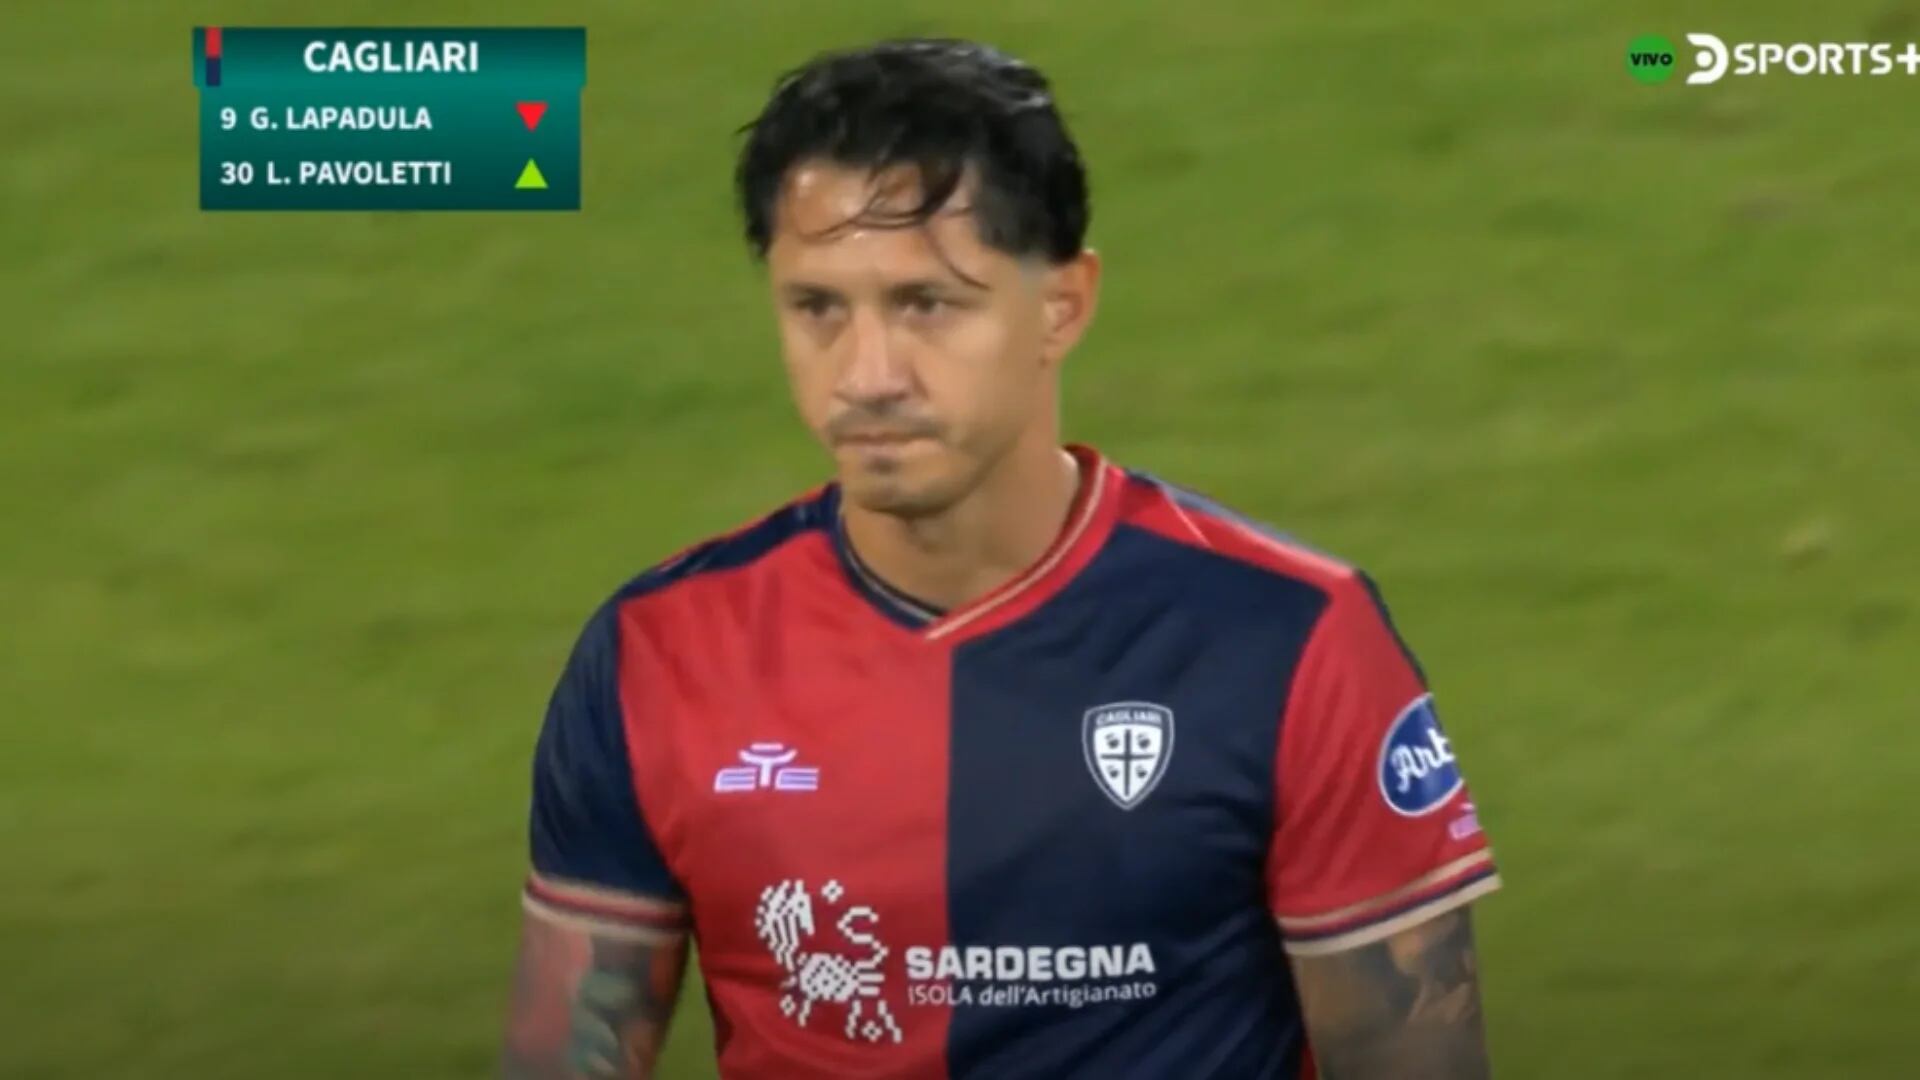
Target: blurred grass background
point(1615, 387)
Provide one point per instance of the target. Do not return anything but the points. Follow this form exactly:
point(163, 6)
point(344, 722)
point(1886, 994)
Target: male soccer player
point(990, 758)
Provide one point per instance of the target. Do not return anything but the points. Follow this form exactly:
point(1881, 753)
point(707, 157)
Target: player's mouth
point(880, 440)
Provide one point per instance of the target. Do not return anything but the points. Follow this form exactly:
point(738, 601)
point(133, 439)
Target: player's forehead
point(831, 226)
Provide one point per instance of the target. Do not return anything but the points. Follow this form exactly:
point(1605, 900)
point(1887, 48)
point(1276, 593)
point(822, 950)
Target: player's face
point(914, 377)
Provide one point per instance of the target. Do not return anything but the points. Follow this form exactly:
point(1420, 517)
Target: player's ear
point(1070, 293)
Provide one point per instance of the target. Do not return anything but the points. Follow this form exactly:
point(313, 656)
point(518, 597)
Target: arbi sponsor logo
point(1710, 58)
point(1023, 976)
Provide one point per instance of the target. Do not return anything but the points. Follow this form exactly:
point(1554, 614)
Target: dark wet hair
point(947, 108)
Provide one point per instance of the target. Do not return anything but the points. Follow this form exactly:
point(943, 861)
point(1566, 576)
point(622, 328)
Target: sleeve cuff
point(1451, 886)
point(604, 911)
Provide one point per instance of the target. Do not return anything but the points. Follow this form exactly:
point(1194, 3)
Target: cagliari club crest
point(1128, 745)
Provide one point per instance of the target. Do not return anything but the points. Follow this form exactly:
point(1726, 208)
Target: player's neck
point(954, 558)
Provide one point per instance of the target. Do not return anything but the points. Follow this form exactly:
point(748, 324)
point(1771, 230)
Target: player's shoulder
point(1259, 571)
point(754, 545)
point(1198, 526)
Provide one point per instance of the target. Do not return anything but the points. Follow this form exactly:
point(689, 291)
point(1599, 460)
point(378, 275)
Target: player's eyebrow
point(919, 287)
point(807, 290)
point(895, 293)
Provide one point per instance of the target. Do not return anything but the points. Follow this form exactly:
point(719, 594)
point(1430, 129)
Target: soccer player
point(991, 757)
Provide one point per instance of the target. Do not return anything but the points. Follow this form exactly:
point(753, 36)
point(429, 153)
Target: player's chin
point(897, 488)
point(900, 461)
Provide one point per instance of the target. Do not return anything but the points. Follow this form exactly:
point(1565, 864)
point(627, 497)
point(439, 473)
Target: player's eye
point(924, 304)
point(814, 306)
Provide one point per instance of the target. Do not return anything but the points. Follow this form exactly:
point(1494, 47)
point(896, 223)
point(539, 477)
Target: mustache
point(869, 423)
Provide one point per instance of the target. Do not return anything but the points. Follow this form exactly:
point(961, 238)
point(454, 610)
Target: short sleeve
point(1376, 831)
point(593, 857)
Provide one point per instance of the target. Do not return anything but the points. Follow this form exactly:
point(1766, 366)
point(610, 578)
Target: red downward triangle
point(531, 112)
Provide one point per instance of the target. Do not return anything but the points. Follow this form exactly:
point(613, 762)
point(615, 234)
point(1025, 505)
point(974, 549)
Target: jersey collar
point(1089, 522)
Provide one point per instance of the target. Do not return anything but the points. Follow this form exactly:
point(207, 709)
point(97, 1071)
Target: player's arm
point(590, 1002)
point(1404, 1008)
point(1377, 855)
point(603, 938)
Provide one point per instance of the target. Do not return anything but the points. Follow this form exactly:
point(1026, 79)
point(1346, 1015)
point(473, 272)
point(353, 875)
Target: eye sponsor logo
point(769, 767)
point(1418, 772)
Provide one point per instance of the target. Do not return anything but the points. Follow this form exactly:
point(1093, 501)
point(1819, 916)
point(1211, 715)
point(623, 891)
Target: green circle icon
point(1650, 58)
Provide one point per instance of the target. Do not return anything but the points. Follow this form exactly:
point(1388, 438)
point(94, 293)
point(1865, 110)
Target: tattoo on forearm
point(619, 1018)
point(1407, 1008)
point(590, 1008)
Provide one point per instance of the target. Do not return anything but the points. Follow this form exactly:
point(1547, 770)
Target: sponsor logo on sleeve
point(1418, 772)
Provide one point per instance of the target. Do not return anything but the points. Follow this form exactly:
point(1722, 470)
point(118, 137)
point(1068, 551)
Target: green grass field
point(1616, 388)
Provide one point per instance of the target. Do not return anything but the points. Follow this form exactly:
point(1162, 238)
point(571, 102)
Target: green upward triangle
point(530, 178)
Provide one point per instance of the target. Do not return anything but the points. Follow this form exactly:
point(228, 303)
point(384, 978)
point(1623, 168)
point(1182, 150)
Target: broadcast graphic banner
point(389, 118)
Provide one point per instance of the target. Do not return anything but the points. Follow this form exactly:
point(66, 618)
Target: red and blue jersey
point(1072, 829)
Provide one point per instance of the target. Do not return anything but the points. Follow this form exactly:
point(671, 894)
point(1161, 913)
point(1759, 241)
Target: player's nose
point(875, 366)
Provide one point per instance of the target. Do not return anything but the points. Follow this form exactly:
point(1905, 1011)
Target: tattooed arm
point(590, 1004)
point(1406, 1008)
